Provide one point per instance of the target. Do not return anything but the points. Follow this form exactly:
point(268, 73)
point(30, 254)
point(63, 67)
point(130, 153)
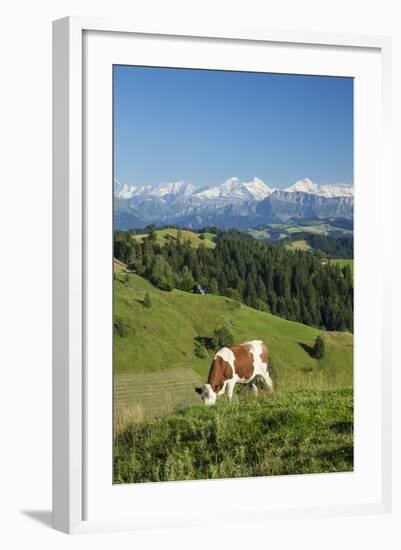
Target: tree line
point(291, 284)
point(332, 247)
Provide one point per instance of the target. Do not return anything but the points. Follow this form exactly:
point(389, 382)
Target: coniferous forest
point(339, 247)
point(295, 285)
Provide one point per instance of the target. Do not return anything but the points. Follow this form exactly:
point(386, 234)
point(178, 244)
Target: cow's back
point(260, 355)
point(244, 360)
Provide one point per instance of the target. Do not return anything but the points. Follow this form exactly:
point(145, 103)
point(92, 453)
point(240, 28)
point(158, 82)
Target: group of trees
point(120, 327)
point(221, 338)
point(332, 247)
point(292, 284)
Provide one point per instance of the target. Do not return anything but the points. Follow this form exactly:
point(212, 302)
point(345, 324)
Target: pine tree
point(222, 337)
point(152, 233)
point(261, 289)
point(213, 286)
point(147, 301)
point(161, 273)
point(273, 302)
point(319, 347)
point(147, 254)
point(250, 292)
point(187, 279)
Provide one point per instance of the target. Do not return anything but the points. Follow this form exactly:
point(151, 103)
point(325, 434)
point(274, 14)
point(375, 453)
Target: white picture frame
point(70, 282)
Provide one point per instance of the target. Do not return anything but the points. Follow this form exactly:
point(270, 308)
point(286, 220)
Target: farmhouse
point(199, 289)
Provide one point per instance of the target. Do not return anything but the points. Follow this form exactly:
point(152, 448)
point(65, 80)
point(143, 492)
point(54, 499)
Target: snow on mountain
point(162, 190)
point(258, 189)
point(231, 188)
point(175, 188)
point(328, 191)
point(235, 189)
point(303, 186)
point(124, 191)
point(232, 191)
point(340, 190)
point(232, 203)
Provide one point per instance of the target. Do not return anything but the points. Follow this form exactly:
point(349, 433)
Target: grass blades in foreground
point(288, 433)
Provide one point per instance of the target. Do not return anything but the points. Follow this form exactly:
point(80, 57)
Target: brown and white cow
point(236, 364)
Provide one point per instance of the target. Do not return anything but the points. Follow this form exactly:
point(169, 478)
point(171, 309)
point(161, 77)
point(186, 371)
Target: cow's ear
point(198, 390)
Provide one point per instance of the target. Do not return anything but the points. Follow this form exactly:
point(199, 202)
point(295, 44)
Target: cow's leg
point(230, 389)
point(254, 388)
point(268, 380)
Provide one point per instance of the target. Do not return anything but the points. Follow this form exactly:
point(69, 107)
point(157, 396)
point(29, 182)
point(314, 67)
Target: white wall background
point(25, 217)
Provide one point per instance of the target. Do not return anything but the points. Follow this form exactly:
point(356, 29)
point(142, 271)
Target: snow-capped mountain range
point(184, 204)
point(328, 191)
point(233, 188)
point(175, 188)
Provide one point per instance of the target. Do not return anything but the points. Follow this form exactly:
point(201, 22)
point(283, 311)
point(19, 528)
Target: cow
point(241, 363)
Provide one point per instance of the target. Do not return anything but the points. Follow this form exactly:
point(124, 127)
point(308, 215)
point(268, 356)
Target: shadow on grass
point(205, 341)
point(142, 303)
point(309, 349)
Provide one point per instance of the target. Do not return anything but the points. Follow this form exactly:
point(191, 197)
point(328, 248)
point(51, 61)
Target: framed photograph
point(219, 317)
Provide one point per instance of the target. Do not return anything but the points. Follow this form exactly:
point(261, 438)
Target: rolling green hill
point(119, 267)
point(164, 235)
point(162, 430)
point(155, 367)
point(276, 231)
point(298, 245)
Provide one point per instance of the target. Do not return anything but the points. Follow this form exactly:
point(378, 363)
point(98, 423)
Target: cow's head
point(207, 394)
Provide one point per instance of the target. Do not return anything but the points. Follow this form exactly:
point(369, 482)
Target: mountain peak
point(123, 191)
point(258, 189)
point(303, 186)
point(234, 189)
point(328, 191)
point(172, 187)
point(338, 190)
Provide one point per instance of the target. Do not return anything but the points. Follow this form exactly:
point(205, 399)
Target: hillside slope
point(160, 339)
point(163, 236)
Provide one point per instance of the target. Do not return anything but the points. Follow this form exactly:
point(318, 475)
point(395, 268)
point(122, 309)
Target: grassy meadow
point(164, 432)
point(291, 433)
point(276, 231)
point(298, 245)
point(163, 236)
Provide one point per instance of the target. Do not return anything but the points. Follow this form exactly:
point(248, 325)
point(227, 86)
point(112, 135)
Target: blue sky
point(206, 126)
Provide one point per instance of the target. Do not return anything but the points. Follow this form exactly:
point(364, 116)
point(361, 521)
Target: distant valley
point(329, 227)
